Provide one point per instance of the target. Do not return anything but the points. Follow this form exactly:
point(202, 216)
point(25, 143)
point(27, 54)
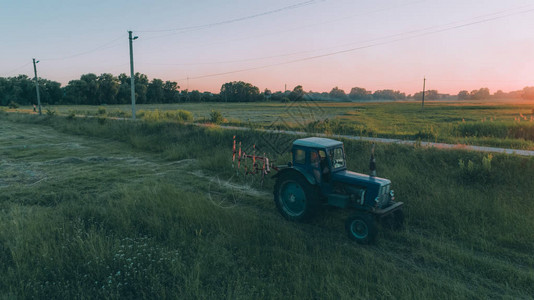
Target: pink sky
point(318, 44)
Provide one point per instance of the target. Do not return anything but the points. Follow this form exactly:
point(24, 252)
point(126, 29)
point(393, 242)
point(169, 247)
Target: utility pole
point(132, 80)
point(37, 85)
point(423, 102)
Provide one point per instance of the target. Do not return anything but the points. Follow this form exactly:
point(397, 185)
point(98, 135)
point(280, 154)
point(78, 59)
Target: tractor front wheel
point(362, 228)
point(295, 197)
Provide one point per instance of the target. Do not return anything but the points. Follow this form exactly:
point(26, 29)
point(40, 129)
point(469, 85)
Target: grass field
point(97, 208)
point(499, 124)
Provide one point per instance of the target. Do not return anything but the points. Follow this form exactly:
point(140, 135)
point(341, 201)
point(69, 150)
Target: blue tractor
point(318, 176)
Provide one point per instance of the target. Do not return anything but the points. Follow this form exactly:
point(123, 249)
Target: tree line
point(106, 88)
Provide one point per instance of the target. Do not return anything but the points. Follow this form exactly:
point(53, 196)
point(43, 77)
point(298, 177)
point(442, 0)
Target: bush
point(185, 115)
point(13, 105)
point(216, 117)
point(486, 162)
point(166, 115)
point(429, 133)
point(50, 112)
point(470, 171)
point(101, 111)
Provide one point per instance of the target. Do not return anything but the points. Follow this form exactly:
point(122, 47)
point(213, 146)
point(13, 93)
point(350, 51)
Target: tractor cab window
point(322, 154)
point(323, 163)
point(319, 164)
point(314, 159)
point(318, 159)
point(337, 158)
point(299, 156)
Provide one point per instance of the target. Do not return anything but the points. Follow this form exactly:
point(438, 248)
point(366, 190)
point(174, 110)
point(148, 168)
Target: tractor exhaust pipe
point(372, 162)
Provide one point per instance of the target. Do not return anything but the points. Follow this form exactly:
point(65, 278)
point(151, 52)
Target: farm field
point(91, 207)
point(498, 123)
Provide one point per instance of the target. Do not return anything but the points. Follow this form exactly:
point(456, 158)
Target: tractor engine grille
point(383, 196)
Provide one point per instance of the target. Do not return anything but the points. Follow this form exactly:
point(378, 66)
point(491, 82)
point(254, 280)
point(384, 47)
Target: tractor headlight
point(377, 200)
point(392, 194)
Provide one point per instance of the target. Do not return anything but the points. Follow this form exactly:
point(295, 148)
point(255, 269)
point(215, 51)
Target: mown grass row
point(468, 230)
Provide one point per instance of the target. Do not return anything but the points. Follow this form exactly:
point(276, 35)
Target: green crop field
point(498, 123)
point(104, 208)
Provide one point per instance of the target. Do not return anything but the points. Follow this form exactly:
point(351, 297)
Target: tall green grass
point(166, 115)
point(468, 234)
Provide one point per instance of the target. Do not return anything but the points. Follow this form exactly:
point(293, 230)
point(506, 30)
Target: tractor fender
point(297, 171)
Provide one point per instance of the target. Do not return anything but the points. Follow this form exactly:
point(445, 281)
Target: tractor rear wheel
point(295, 198)
point(361, 227)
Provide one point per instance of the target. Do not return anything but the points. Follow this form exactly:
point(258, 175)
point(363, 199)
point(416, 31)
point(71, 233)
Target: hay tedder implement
point(252, 163)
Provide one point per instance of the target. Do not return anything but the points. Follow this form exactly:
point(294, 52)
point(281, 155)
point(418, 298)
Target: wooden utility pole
point(37, 86)
point(132, 80)
point(423, 102)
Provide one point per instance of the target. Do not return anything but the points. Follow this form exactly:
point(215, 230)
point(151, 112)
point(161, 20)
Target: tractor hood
point(354, 178)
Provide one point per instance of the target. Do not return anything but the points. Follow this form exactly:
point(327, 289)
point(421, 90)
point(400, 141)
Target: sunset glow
point(456, 45)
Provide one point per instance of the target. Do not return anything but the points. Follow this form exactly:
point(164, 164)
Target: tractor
point(318, 176)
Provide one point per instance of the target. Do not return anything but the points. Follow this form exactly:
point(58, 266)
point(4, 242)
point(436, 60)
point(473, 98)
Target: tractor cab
point(319, 157)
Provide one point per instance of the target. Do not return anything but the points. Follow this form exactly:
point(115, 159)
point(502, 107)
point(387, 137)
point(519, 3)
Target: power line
point(346, 44)
point(181, 30)
point(17, 68)
point(277, 33)
point(229, 61)
point(184, 29)
point(294, 28)
point(197, 27)
point(421, 31)
point(366, 46)
point(101, 47)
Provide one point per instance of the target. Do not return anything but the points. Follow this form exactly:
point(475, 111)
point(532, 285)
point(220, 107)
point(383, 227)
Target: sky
point(319, 44)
